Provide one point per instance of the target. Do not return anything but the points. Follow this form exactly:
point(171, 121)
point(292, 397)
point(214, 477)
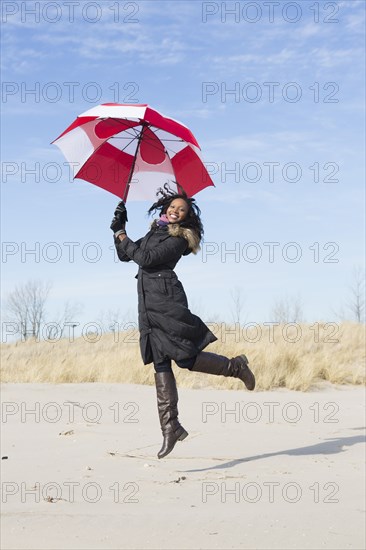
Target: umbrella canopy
point(131, 150)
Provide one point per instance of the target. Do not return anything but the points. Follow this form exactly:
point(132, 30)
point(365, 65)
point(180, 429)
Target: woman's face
point(177, 211)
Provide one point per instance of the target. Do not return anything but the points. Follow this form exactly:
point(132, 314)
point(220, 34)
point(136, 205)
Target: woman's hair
point(167, 195)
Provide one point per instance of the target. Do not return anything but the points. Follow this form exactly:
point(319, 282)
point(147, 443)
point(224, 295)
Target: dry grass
point(326, 352)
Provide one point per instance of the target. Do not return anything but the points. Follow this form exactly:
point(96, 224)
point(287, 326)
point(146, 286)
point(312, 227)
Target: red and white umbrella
point(132, 150)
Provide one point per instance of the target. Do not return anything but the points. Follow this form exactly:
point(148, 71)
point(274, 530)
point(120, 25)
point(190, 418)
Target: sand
point(259, 470)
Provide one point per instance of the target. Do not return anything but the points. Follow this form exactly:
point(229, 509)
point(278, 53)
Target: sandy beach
point(278, 469)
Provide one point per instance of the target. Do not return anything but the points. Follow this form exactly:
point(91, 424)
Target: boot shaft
point(167, 401)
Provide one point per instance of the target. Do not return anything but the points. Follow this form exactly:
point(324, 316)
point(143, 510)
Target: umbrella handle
point(124, 198)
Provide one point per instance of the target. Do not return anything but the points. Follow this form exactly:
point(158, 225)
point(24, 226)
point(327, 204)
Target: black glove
point(117, 226)
point(121, 212)
point(120, 218)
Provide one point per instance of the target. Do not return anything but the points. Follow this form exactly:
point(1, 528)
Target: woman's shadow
point(329, 446)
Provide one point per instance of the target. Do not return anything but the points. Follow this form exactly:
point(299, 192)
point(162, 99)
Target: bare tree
point(356, 302)
point(287, 310)
point(113, 320)
point(70, 312)
point(353, 308)
point(26, 305)
point(238, 303)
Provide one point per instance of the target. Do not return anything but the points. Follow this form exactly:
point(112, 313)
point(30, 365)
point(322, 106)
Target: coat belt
point(163, 274)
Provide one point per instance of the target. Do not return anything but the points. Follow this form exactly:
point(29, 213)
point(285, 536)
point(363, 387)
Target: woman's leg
point(187, 363)
point(213, 363)
point(164, 366)
point(167, 398)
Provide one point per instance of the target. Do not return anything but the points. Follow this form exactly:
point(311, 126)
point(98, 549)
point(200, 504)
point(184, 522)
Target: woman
point(168, 330)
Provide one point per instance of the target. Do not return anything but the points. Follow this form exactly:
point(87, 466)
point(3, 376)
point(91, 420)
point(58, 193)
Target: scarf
point(163, 221)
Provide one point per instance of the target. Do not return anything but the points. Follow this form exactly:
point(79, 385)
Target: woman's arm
point(169, 250)
point(120, 253)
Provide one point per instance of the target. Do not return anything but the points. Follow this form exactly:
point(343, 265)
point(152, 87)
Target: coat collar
point(176, 230)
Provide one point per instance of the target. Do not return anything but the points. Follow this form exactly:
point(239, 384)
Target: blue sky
point(274, 93)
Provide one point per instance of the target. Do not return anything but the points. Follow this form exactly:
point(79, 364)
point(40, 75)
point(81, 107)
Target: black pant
point(166, 366)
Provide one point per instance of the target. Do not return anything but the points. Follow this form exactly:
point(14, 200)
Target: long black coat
point(168, 330)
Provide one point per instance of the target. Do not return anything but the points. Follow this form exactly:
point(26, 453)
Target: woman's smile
point(173, 216)
point(177, 211)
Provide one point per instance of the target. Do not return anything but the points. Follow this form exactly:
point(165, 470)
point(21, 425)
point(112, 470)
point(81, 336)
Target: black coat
point(168, 330)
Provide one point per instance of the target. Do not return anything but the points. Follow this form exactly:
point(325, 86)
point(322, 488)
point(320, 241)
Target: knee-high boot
point(237, 367)
point(167, 398)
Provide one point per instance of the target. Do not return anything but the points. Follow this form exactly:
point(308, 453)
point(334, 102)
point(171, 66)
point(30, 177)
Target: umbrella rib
point(107, 141)
point(154, 129)
point(97, 149)
point(135, 136)
point(178, 140)
point(148, 139)
point(163, 141)
point(124, 148)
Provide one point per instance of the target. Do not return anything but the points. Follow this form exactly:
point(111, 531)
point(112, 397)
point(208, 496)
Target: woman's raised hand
point(120, 218)
point(121, 212)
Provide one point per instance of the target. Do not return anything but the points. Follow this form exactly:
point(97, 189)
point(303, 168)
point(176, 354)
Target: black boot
point(237, 367)
point(167, 397)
